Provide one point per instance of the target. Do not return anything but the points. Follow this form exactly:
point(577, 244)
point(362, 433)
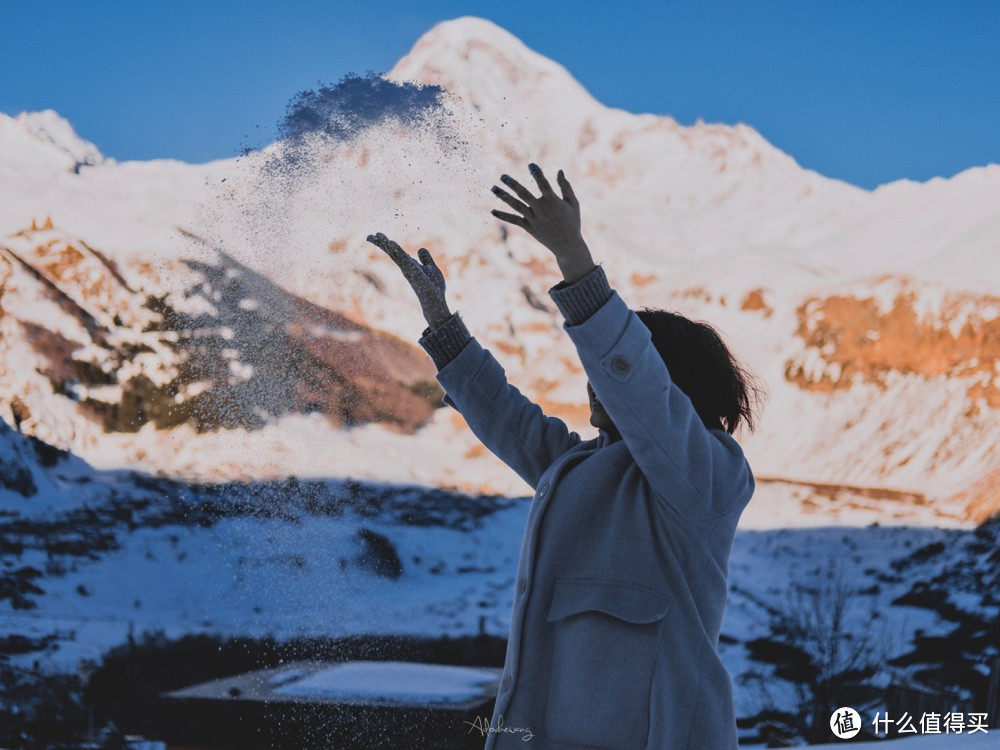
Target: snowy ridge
point(45, 137)
point(482, 63)
point(640, 175)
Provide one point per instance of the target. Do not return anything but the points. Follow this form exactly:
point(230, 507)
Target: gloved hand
point(425, 278)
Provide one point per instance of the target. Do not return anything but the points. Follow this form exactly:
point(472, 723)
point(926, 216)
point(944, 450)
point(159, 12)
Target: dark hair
point(721, 390)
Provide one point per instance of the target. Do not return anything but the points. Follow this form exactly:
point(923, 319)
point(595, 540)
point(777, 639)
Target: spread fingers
point(512, 218)
point(510, 200)
point(543, 183)
point(398, 255)
point(522, 192)
point(567, 190)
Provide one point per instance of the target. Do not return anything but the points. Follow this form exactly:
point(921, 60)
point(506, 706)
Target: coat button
point(522, 584)
point(619, 364)
point(543, 490)
point(505, 683)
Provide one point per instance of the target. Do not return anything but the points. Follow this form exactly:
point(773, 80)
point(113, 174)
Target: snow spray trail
point(365, 154)
point(287, 230)
point(278, 248)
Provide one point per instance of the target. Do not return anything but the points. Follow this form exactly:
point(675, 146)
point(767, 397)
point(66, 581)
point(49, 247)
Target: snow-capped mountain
point(871, 316)
point(43, 141)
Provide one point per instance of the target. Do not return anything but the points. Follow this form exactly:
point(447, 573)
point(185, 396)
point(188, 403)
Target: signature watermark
point(846, 723)
point(482, 724)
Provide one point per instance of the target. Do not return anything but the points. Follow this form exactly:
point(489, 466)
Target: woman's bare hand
point(425, 278)
point(552, 220)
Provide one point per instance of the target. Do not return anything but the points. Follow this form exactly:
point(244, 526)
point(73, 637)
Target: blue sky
point(866, 91)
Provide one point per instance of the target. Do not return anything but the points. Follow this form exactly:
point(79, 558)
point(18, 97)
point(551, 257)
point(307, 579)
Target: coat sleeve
point(509, 424)
point(697, 471)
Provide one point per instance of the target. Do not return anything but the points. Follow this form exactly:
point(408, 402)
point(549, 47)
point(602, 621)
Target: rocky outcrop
point(252, 352)
point(857, 337)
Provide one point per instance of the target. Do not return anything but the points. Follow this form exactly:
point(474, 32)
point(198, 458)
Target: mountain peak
point(465, 28)
point(48, 131)
point(485, 64)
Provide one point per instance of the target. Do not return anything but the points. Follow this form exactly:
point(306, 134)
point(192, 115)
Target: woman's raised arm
point(509, 424)
point(698, 472)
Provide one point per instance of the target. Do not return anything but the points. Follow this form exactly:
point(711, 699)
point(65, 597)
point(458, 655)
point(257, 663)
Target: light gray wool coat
point(621, 583)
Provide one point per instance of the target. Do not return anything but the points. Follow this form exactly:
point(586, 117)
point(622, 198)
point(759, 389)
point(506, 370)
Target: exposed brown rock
point(833, 491)
point(570, 413)
point(109, 264)
point(696, 292)
point(52, 290)
point(858, 339)
point(57, 351)
point(587, 135)
point(982, 500)
point(754, 300)
point(59, 258)
point(514, 350)
point(535, 326)
point(542, 267)
point(238, 366)
point(19, 411)
point(477, 450)
point(6, 269)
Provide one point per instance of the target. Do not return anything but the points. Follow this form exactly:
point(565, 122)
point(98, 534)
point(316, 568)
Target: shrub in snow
point(378, 554)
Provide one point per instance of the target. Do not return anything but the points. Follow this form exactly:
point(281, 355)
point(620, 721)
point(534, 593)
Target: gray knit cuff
point(446, 341)
point(581, 299)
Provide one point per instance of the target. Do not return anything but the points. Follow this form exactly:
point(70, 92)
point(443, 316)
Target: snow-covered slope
point(92, 559)
point(870, 316)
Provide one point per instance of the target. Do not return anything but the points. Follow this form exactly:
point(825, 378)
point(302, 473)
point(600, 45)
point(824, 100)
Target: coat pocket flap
point(626, 601)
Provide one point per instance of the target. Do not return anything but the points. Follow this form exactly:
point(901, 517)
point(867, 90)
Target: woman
point(621, 582)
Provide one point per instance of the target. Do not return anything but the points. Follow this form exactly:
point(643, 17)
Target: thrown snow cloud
point(357, 102)
point(385, 155)
point(317, 121)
